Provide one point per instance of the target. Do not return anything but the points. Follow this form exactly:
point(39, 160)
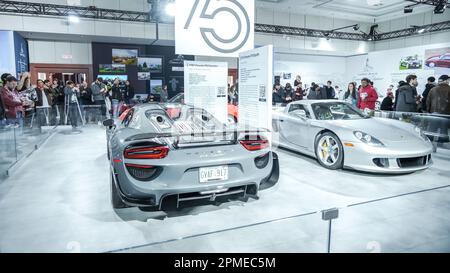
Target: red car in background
point(439, 61)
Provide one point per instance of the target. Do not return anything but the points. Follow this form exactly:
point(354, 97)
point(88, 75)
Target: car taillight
point(146, 152)
point(253, 143)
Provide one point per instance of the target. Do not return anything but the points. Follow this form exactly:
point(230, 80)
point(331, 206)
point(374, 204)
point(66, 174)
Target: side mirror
point(108, 123)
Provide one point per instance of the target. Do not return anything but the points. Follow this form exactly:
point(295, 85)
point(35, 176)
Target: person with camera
point(12, 101)
point(71, 93)
point(98, 89)
point(42, 102)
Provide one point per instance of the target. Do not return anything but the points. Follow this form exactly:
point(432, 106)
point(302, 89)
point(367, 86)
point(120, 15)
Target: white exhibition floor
point(58, 201)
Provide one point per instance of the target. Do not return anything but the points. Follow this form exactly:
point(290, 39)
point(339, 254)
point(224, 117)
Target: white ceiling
point(357, 10)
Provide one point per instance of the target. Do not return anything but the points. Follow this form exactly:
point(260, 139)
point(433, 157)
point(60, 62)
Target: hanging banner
point(255, 87)
point(206, 87)
point(214, 28)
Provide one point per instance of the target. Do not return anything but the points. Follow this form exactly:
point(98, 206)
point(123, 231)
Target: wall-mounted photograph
point(439, 57)
point(143, 76)
point(411, 62)
point(124, 56)
point(113, 77)
point(156, 86)
point(112, 68)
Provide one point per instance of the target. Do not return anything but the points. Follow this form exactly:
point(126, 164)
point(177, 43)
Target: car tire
point(329, 151)
point(116, 201)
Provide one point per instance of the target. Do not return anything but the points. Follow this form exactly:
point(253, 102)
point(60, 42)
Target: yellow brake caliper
point(324, 151)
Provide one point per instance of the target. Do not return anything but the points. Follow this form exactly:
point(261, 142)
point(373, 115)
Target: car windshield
point(337, 111)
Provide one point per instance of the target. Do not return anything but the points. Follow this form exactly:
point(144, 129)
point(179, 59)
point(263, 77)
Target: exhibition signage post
point(214, 28)
point(255, 87)
point(206, 85)
point(329, 215)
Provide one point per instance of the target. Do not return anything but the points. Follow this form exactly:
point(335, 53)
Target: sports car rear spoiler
point(195, 134)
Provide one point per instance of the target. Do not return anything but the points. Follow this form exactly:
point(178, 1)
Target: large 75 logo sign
point(225, 26)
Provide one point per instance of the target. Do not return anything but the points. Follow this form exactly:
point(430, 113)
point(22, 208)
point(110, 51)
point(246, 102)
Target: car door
point(295, 125)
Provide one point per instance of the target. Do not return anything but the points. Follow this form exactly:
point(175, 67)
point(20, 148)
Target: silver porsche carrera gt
point(161, 155)
point(339, 136)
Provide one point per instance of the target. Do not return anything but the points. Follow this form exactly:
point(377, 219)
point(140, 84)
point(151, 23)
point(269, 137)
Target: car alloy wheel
point(432, 65)
point(329, 151)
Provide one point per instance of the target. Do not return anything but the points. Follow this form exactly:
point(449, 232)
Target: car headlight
point(421, 134)
point(368, 139)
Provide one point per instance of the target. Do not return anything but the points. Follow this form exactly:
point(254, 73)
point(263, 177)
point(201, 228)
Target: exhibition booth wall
point(147, 67)
point(383, 67)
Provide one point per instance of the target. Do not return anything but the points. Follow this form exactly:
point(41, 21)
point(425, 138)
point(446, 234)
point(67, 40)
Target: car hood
point(382, 129)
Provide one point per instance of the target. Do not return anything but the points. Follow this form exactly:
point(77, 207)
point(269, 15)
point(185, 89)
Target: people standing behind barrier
point(340, 94)
point(116, 92)
point(431, 83)
point(367, 96)
point(42, 103)
point(331, 93)
point(98, 89)
point(288, 93)
point(278, 94)
point(12, 102)
point(438, 101)
point(72, 101)
point(299, 93)
point(57, 91)
point(351, 96)
point(406, 100)
point(2, 106)
point(388, 102)
point(85, 94)
point(317, 93)
point(129, 92)
point(298, 82)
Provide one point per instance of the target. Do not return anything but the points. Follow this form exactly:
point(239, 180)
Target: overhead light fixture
point(356, 27)
point(420, 31)
point(171, 9)
point(73, 19)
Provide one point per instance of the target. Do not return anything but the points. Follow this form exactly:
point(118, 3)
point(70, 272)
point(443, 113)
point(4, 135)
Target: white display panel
point(255, 87)
point(206, 87)
point(214, 28)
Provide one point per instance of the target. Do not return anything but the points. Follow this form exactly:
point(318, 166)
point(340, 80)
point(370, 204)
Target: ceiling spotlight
point(73, 19)
point(171, 9)
point(408, 10)
point(420, 31)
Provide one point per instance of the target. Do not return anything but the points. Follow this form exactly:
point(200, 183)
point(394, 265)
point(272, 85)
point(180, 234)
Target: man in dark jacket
point(317, 93)
point(438, 100)
point(331, 93)
point(388, 104)
point(406, 101)
point(278, 95)
point(431, 83)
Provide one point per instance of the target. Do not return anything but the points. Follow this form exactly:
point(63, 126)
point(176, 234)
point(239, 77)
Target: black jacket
point(129, 92)
point(278, 96)
point(116, 92)
point(425, 93)
point(406, 99)
point(387, 104)
point(330, 92)
point(86, 95)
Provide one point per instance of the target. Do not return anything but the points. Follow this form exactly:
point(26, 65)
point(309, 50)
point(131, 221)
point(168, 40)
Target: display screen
point(113, 77)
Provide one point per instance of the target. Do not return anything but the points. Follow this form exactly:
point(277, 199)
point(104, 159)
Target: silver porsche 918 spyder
point(339, 136)
point(158, 156)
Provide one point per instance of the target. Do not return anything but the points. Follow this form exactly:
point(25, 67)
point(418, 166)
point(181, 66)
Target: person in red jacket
point(367, 96)
point(12, 102)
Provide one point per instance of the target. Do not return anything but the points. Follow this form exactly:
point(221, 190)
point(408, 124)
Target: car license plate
point(212, 174)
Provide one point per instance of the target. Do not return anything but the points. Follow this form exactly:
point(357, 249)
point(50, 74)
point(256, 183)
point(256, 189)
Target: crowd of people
point(434, 99)
point(50, 101)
